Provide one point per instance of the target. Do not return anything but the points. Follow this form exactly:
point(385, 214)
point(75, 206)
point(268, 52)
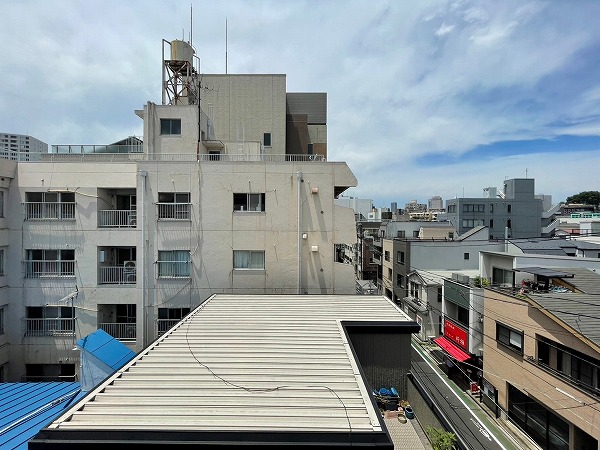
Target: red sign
point(455, 334)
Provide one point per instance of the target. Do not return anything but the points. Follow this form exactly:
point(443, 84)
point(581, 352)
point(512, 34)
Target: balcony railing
point(120, 331)
point(173, 211)
point(49, 210)
point(117, 218)
point(164, 325)
point(49, 269)
point(49, 327)
point(165, 157)
point(137, 147)
point(117, 275)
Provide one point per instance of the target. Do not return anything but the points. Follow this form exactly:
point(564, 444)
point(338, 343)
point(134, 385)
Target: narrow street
point(460, 412)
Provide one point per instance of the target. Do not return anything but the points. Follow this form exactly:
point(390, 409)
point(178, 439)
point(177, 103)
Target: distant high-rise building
point(20, 147)
point(436, 203)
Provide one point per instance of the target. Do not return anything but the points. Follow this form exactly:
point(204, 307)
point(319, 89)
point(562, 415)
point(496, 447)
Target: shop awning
point(452, 349)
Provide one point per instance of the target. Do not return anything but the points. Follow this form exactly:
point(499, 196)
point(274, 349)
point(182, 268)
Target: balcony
point(125, 274)
point(173, 211)
point(122, 331)
point(119, 218)
point(49, 269)
point(164, 325)
point(49, 327)
point(49, 210)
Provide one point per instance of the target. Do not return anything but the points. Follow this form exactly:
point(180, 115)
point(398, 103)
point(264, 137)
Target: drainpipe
point(144, 175)
point(299, 180)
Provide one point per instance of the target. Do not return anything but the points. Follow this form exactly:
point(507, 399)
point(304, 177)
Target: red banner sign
point(455, 334)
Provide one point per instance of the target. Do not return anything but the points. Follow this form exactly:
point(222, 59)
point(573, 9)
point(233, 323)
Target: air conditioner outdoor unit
point(129, 266)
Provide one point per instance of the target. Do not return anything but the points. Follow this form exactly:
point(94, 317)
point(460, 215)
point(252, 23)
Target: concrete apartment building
point(542, 359)
point(515, 212)
point(130, 241)
point(20, 147)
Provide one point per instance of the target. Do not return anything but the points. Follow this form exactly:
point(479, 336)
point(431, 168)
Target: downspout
point(299, 180)
point(144, 175)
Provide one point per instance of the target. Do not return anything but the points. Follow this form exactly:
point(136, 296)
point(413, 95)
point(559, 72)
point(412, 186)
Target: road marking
point(481, 430)
point(460, 399)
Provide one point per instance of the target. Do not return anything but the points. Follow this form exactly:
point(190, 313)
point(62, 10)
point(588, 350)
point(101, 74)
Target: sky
point(424, 98)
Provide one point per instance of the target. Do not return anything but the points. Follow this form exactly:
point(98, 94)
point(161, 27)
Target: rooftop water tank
point(181, 51)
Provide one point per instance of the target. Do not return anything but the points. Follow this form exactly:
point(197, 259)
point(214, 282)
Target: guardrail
point(49, 210)
point(49, 269)
point(117, 275)
point(120, 331)
point(175, 157)
point(49, 327)
point(117, 218)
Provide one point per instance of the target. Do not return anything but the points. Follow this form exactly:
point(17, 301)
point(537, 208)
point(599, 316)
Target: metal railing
point(175, 157)
point(173, 269)
point(117, 275)
point(49, 269)
point(164, 325)
point(117, 218)
point(49, 210)
point(173, 211)
point(98, 149)
point(120, 331)
point(49, 327)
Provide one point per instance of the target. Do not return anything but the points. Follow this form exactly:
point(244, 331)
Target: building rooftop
point(253, 368)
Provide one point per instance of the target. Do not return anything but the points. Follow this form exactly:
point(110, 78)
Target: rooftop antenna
point(191, 24)
point(225, 45)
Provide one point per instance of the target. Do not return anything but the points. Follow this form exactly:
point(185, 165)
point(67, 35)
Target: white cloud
point(403, 79)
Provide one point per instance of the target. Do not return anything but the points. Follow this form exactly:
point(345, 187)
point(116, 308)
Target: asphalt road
point(475, 430)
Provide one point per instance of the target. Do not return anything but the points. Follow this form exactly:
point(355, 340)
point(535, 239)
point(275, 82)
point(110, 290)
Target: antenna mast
point(225, 45)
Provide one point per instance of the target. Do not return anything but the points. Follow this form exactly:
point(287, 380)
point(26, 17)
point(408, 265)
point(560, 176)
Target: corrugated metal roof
point(27, 407)
point(586, 280)
point(579, 311)
point(245, 363)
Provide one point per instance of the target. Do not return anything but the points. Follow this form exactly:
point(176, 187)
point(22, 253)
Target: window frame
point(250, 253)
point(507, 333)
point(167, 128)
point(268, 137)
point(174, 209)
point(45, 259)
point(400, 258)
point(254, 199)
point(174, 264)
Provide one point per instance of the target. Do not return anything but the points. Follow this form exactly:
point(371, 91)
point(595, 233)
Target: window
point(463, 316)
point(414, 289)
point(1, 262)
point(415, 233)
point(50, 372)
point(1, 320)
point(509, 208)
point(267, 139)
point(390, 274)
point(509, 337)
point(249, 202)
point(310, 149)
point(170, 126)
point(168, 317)
point(502, 277)
point(466, 256)
point(49, 206)
point(1, 203)
point(174, 263)
point(401, 234)
point(399, 280)
point(471, 223)
point(50, 263)
point(508, 223)
point(400, 257)
point(451, 208)
point(386, 255)
point(174, 205)
point(491, 223)
point(439, 295)
point(473, 208)
point(249, 259)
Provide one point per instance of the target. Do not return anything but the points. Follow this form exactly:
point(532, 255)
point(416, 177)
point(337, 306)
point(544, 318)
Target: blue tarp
point(26, 408)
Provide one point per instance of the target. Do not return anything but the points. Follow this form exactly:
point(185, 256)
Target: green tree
point(440, 439)
point(585, 197)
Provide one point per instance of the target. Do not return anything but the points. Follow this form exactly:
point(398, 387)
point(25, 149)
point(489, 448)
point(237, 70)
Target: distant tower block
point(180, 77)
